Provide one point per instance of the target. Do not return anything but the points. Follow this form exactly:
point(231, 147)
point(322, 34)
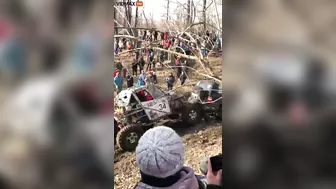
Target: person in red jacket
point(168, 43)
point(165, 36)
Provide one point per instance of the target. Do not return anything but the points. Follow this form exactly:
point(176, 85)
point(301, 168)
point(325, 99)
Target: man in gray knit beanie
point(160, 157)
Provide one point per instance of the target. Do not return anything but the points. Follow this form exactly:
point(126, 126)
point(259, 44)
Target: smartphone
point(216, 162)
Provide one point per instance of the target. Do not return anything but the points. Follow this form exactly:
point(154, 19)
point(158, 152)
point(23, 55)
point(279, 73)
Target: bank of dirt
point(203, 140)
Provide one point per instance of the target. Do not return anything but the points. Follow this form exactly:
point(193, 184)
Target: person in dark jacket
point(170, 81)
point(161, 36)
point(141, 63)
point(167, 169)
point(178, 65)
point(155, 81)
point(161, 58)
point(130, 80)
point(51, 57)
point(135, 66)
point(150, 61)
point(155, 35)
point(183, 77)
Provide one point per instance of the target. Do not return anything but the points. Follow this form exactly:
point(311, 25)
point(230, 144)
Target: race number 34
point(162, 106)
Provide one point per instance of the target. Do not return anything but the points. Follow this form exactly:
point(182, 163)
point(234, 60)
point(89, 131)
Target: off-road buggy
point(61, 118)
point(285, 125)
point(139, 108)
point(207, 95)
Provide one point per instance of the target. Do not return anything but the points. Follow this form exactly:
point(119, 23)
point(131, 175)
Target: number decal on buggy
point(156, 108)
point(162, 106)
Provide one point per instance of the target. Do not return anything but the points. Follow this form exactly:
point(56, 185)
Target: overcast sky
point(158, 7)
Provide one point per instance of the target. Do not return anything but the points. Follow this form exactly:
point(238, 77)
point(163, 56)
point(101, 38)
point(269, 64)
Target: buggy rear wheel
point(191, 114)
point(219, 114)
point(128, 137)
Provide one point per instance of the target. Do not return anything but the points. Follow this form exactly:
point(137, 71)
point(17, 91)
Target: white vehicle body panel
point(157, 108)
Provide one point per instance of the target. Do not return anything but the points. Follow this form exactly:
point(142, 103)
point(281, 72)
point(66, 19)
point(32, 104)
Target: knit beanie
point(160, 152)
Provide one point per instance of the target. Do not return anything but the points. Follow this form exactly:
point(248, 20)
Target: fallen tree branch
point(205, 75)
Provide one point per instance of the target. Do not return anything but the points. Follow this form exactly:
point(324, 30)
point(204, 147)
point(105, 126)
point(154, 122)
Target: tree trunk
point(204, 14)
point(115, 18)
point(146, 20)
point(189, 12)
point(136, 22)
point(129, 15)
point(167, 16)
point(194, 11)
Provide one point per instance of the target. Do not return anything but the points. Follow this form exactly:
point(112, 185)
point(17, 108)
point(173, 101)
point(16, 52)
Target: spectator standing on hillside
point(141, 79)
point(155, 35)
point(161, 58)
point(168, 43)
point(144, 35)
point(170, 81)
point(203, 49)
point(129, 46)
point(161, 36)
point(183, 77)
point(150, 59)
point(149, 35)
point(155, 81)
point(118, 82)
point(86, 52)
point(149, 78)
point(135, 64)
point(165, 35)
point(207, 33)
point(119, 66)
point(115, 73)
point(130, 80)
point(116, 46)
point(141, 63)
point(121, 45)
point(135, 67)
point(178, 65)
point(13, 55)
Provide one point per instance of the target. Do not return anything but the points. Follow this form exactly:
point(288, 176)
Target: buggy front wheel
point(128, 137)
point(191, 114)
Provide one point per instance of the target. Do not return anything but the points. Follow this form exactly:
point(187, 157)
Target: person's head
point(142, 72)
point(160, 152)
point(171, 74)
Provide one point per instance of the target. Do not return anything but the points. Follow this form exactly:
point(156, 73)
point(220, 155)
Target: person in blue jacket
point(141, 79)
point(15, 57)
point(118, 82)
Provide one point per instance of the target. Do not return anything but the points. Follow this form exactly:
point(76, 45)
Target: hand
point(214, 178)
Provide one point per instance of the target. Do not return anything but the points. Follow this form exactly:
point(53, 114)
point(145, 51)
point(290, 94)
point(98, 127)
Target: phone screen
point(216, 162)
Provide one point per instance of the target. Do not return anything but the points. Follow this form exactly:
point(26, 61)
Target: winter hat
point(160, 152)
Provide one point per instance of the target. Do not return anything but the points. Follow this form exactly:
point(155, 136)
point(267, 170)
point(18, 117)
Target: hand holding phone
point(216, 162)
point(214, 177)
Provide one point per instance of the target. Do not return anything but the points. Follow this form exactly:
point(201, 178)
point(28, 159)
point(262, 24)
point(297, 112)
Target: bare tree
point(146, 20)
point(115, 18)
point(189, 12)
point(204, 14)
point(167, 15)
point(136, 18)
